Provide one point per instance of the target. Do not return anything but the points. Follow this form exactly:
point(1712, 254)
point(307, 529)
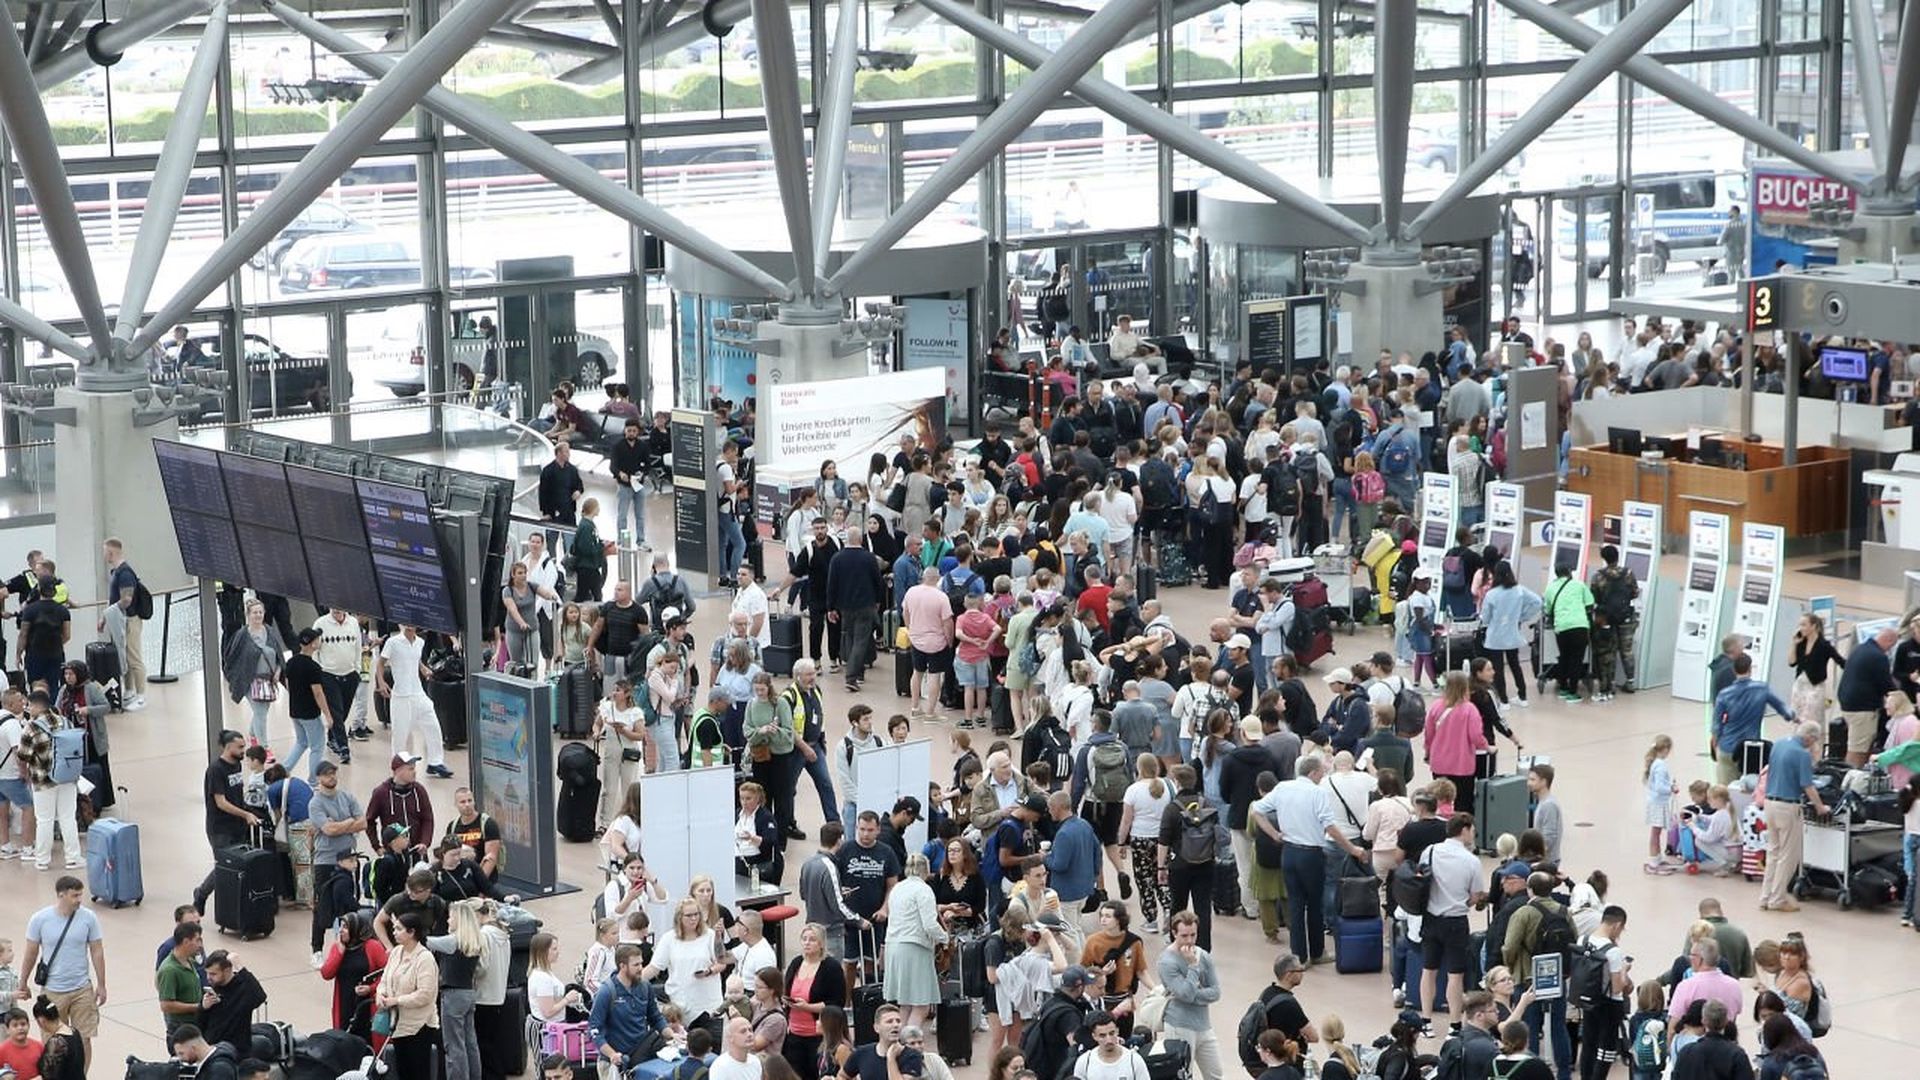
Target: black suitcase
point(902, 671)
point(520, 925)
point(1146, 582)
point(246, 890)
point(327, 1053)
point(574, 698)
point(784, 631)
point(1226, 888)
point(100, 775)
point(954, 1023)
point(1871, 885)
point(1171, 1059)
point(1002, 703)
point(103, 661)
point(578, 770)
point(449, 696)
point(779, 659)
point(950, 693)
point(1837, 740)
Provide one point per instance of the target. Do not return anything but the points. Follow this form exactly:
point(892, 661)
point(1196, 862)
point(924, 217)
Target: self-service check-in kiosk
point(1701, 604)
point(1641, 527)
point(1756, 607)
point(1572, 526)
point(1506, 519)
point(1439, 512)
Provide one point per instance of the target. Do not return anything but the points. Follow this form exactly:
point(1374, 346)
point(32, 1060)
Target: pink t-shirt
point(1905, 729)
point(929, 618)
point(976, 624)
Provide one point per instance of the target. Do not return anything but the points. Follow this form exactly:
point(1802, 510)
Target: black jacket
point(818, 566)
point(1713, 1058)
point(1056, 1037)
point(221, 1063)
point(1238, 774)
point(230, 1020)
point(853, 581)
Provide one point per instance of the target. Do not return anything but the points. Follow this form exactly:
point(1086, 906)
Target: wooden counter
point(1807, 499)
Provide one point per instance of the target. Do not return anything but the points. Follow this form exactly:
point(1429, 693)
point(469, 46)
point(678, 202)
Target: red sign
point(1786, 197)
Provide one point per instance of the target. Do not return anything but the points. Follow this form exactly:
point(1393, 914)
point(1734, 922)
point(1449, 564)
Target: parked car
point(1438, 150)
point(318, 219)
point(361, 260)
point(401, 353)
point(277, 381)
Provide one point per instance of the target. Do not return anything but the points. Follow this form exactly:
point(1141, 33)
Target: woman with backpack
point(1454, 735)
point(1210, 493)
point(1788, 1056)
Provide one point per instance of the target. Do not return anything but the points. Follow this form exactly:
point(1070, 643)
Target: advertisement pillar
point(513, 778)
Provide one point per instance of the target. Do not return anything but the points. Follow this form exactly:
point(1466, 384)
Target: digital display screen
point(208, 547)
point(191, 476)
point(1844, 364)
point(1433, 534)
point(1756, 590)
point(406, 555)
point(257, 491)
point(343, 577)
point(1639, 564)
point(1501, 542)
point(1703, 577)
point(275, 564)
point(327, 505)
point(414, 592)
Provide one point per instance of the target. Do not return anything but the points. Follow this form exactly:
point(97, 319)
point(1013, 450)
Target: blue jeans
point(1262, 673)
point(1555, 1013)
point(1472, 515)
point(627, 501)
point(310, 738)
point(1403, 489)
point(848, 811)
point(1344, 507)
point(1912, 849)
point(822, 781)
point(257, 724)
point(733, 549)
point(1305, 871)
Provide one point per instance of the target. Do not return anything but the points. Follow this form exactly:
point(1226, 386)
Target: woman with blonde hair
point(626, 748)
point(690, 956)
point(913, 929)
point(1141, 808)
point(1454, 736)
point(459, 955)
point(1342, 1063)
point(718, 918)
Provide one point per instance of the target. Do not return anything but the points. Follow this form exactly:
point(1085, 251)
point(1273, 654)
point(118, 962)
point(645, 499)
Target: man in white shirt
point(736, 1060)
point(1457, 885)
point(751, 600)
point(411, 710)
point(1299, 814)
point(339, 660)
point(1124, 345)
point(754, 953)
point(1110, 1058)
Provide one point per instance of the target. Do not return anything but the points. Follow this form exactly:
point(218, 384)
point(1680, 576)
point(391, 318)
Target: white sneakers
point(318, 959)
point(134, 703)
point(8, 851)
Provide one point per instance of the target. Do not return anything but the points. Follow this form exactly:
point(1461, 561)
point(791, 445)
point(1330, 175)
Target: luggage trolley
point(1836, 844)
point(1333, 565)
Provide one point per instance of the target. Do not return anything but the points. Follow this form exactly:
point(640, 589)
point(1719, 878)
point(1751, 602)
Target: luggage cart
point(1834, 844)
point(1333, 565)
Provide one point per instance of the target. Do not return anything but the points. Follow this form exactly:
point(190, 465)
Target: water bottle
point(1307, 1068)
point(753, 878)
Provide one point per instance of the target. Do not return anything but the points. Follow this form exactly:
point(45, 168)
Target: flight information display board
point(333, 534)
point(197, 502)
point(263, 518)
point(406, 555)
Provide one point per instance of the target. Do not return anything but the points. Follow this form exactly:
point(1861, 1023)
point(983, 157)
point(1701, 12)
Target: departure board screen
point(263, 519)
point(191, 475)
point(333, 534)
point(208, 547)
point(257, 491)
point(343, 577)
point(406, 555)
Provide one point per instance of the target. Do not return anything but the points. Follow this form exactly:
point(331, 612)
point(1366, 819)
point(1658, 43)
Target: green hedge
point(1188, 66)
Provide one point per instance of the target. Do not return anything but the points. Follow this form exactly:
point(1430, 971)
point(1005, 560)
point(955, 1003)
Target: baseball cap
point(1340, 675)
point(391, 833)
point(1422, 573)
point(1239, 641)
point(403, 759)
point(912, 1062)
point(1516, 868)
point(907, 804)
point(325, 767)
point(1075, 977)
point(668, 614)
point(1035, 803)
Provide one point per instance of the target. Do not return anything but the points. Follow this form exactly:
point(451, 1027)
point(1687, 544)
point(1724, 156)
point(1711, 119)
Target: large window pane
point(689, 172)
point(544, 74)
point(498, 208)
point(1263, 39)
point(1080, 169)
point(288, 91)
point(1276, 130)
point(910, 55)
point(362, 235)
point(111, 208)
point(1577, 150)
point(286, 364)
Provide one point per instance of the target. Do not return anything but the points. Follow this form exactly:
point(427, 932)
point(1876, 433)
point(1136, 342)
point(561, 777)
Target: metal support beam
point(401, 89)
point(830, 135)
point(117, 38)
point(1680, 90)
point(1393, 28)
point(41, 330)
point(786, 131)
point(38, 157)
point(68, 27)
point(1869, 78)
point(677, 35)
point(1570, 8)
point(537, 154)
point(1168, 129)
point(1590, 71)
point(605, 8)
point(1082, 51)
point(536, 39)
point(1906, 95)
point(171, 172)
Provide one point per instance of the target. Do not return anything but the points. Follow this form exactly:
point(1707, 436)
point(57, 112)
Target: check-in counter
point(1747, 481)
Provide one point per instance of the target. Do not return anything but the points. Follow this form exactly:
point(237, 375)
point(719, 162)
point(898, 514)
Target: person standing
point(927, 614)
point(307, 704)
point(252, 660)
point(229, 822)
point(1602, 1027)
point(628, 459)
point(341, 642)
point(1299, 814)
point(1789, 780)
point(803, 699)
point(854, 590)
point(1864, 684)
point(1444, 933)
point(1569, 604)
point(1733, 244)
point(410, 987)
point(56, 785)
point(46, 626)
point(1187, 971)
point(66, 937)
point(122, 620)
point(868, 871)
point(1189, 844)
point(1738, 712)
point(560, 492)
point(816, 563)
point(411, 708)
point(589, 555)
point(337, 820)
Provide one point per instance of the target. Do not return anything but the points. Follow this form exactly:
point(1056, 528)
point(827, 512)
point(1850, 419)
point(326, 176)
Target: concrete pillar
point(1390, 313)
point(1887, 236)
point(106, 483)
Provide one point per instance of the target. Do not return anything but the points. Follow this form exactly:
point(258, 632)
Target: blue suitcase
point(1357, 945)
point(113, 862)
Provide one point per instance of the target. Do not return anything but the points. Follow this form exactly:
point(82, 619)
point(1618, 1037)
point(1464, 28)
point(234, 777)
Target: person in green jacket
point(1569, 606)
point(589, 556)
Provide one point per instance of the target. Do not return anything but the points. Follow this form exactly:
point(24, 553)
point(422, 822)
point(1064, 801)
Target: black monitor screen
point(191, 476)
point(1703, 576)
point(275, 563)
point(414, 592)
point(1756, 590)
point(1848, 365)
point(1433, 533)
point(208, 547)
point(406, 555)
point(1639, 564)
point(1624, 441)
point(343, 577)
point(327, 505)
point(257, 491)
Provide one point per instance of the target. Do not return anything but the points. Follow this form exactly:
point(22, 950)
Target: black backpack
point(957, 588)
point(142, 605)
point(1252, 1023)
point(1198, 841)
point(1283, 490)
point(1214, 510)
point(1056, 749)
point(1306, 466)
point(1613, 596)
point(1587, 976)
point(1556, 934)
point(1157, 485)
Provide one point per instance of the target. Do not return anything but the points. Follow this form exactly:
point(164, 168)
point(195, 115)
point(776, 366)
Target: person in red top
point(1094, 597)
point(20, 1051)
point(974, 629)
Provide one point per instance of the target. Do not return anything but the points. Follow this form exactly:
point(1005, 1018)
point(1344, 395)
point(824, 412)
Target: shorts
point(17, 792)
point(79, 1009)
point(1862, 726)
point(1122, 547)
point(934, 663)
point(1105, 819)
point(973, 674)
point(1446, 944)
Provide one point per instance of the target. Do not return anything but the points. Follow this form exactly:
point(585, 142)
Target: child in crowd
point(1443, 793)
point(1660, 789)
point(19, 1051)
point(1369, 487)
point(598, 963)
point(1709, 838)
point(1645, 1054)
point(9, 978)
point(1696, 805)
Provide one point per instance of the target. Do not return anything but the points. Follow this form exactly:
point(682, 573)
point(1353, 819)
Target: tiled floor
point(1870, 965)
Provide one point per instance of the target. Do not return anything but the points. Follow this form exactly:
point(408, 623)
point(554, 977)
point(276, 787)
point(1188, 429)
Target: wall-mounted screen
point(333, 534)
point(406, 555)
point(1703, 577)
point(1848, 365)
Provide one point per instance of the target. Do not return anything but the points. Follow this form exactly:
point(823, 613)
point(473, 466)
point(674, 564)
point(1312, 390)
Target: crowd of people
point(1120, 784)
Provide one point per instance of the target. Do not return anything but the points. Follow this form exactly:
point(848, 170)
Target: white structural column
point(41, 330)
point(1906, 96)
point(1393, 26)
point(142, 22)
point(830, 137)
point(786, 131)
point(540, 156)
point(1869, 78)
point(375, 113)
point(171, 172)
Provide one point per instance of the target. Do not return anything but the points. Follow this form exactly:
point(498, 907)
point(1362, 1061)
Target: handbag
point(384, 1020)
point(45, 967)
point(632, 756)
point(263, 689)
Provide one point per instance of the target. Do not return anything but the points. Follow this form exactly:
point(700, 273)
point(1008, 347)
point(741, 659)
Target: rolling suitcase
point(1755, 752)
point(578, 769)
point(953, 1020)
point(246, 890)
point(1500, 805)
point(573, 702)
point(1175, 568)
point(1146, 582)
point(1357, 945)
point(449, 696)
point(113, 863)
point(783, 630)
point(103, 661)
point(889, 629)
point(778, 659)
point(1001, 700)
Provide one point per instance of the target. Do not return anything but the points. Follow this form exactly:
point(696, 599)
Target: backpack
point(1306, 468)
point(142, 606)
point(1156, 484)
point(990, 870)
point(1029, 658)
point(1453, 1060)
point(1409, 712)
point(1369, 487)
point(1056, 749)
point(1647, 1046)
point(897, 498)
point(1453, 574)
point(1587, 975)
point(1283, 492)
point(1394, 453)
point(1555, 933)
point(69, 752)
point(1196, 843)
point(1213, 511)
point(1252, 1023)
point(1819, 1016)
point(1804, 1067)
point(1411, 885)
point(957, 588)
point(1037, 1045)
point(1614, 595)
point(1108, 772)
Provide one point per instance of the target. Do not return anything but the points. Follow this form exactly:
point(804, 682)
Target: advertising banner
point(512, 776)
point(937, 336)
point(849, 419)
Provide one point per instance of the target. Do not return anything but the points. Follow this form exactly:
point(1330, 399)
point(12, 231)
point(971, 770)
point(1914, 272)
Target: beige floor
point(1870, 965)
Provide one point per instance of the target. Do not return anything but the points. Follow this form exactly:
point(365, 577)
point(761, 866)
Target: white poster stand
point(686, 829)
point(891, 771)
